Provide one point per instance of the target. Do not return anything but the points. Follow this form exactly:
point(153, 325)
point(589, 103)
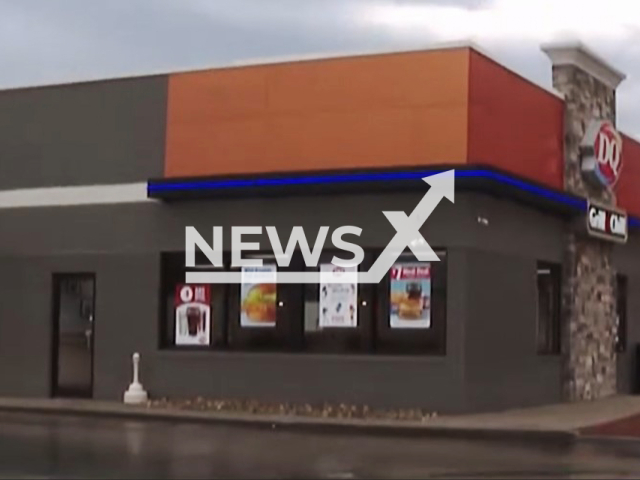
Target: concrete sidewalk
point(560, 422)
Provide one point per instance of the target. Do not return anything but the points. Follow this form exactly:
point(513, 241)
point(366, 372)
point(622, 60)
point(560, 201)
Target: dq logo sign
point(601, 151)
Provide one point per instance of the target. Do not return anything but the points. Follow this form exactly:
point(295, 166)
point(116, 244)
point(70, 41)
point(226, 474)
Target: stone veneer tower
point(589, 321)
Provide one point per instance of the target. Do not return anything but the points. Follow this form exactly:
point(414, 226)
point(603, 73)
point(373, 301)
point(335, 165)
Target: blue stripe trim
point(579, 204)
point(195, 185)
point(303, 180)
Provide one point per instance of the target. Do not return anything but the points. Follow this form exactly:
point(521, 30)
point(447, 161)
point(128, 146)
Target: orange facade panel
point(404, 109)
point(514, 125)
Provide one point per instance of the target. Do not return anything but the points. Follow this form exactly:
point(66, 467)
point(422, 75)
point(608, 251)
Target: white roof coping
point(292, 59)
point(258, 61)
point(579, 55)
point(346, 54)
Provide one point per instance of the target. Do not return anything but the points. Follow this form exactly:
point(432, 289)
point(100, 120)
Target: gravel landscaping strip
point(326, 410)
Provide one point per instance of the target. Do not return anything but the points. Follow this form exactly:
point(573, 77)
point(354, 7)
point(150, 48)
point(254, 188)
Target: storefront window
point(258, 297)
point(410, 295)
point(404, 314)
point(412, 307)
point(549, 308)
point(261, 311)
point(337, 316)
point(621, 303)
point(194, 316)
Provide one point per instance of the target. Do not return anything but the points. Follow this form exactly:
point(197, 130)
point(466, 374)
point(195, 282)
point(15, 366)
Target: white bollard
point(135, 394)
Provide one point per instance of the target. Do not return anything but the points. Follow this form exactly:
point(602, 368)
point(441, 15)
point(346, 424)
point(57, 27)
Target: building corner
point(588, 292)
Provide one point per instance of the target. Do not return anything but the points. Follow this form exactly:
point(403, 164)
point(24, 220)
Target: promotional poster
point(338, 301)
point(193, 314)
point(410, 295)
point(258, 296)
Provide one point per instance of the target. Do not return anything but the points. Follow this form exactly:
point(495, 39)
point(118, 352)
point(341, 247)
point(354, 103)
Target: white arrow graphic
point(407, 235)
point(408, 228)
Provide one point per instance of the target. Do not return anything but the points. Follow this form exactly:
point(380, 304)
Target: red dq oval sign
point(601, 151)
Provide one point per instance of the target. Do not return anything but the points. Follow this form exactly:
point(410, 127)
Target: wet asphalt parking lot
point(37, 446)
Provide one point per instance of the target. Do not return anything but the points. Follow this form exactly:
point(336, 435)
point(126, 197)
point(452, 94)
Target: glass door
point(73, 318)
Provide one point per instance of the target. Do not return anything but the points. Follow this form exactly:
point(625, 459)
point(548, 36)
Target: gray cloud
point(525, 59)
point(44, 42)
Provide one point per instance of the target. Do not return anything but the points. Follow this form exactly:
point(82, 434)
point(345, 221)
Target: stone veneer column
point(589, 320)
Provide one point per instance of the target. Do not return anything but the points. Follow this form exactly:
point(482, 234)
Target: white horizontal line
point(74, 195)
point(314, 277)
point(280, 60)
point(250, 62)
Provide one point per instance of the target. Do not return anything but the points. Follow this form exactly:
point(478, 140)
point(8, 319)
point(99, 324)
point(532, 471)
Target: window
point(411, 307)
point(262, 314)
point(549, 308)
point(337, 316)
point(192, 316)
point(621, 306)
point(404, 314)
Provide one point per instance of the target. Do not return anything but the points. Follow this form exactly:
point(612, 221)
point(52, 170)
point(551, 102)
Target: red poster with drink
point(193, 314)
point(410, 295)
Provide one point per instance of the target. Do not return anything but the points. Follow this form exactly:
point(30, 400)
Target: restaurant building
point(531, 302)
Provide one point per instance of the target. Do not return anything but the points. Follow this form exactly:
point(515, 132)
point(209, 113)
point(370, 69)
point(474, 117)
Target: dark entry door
point(73, 318)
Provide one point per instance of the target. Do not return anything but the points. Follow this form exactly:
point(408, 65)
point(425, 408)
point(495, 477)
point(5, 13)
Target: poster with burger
point(338, 301)
point(258, 296)
point(410, 295)
point(193, 314)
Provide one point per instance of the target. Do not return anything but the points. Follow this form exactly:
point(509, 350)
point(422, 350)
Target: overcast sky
point(51, 41)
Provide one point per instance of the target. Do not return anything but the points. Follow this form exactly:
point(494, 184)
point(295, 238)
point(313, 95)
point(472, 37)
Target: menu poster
point(193, 314)
point(338, 301)
point(410, 295)
point(258, 295)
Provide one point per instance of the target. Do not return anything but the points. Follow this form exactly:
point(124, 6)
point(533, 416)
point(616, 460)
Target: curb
point(290, 423)
point(608, 440)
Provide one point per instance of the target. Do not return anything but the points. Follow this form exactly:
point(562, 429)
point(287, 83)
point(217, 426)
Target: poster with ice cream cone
point(338, 301)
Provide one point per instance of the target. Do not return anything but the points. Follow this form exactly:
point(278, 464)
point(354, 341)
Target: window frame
point(553, 340)
point(283, 337)
point(172, 272)
point(289, 334)
point(432, 342)
point(362, 336)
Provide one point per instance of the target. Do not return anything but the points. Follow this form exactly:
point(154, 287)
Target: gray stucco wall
point(35, 243)
point(502, 367)
point(124, 285)
point(626, 260)
point(126, 320)
point(490, 298)
point(376, 380)
point(153, 226)
point(83, 134)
